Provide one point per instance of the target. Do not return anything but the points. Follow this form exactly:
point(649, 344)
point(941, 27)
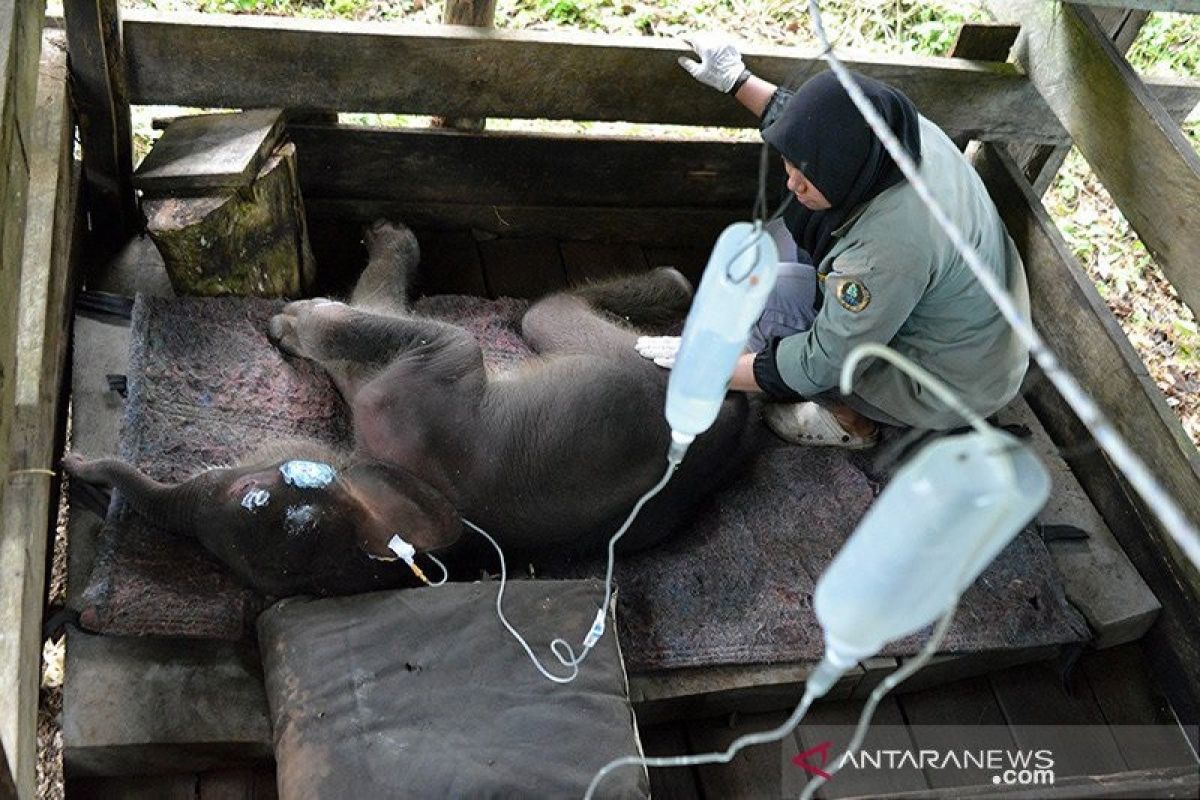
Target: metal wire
point(1160, 502)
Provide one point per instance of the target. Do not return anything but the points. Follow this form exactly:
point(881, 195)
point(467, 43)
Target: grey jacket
point(894, 278)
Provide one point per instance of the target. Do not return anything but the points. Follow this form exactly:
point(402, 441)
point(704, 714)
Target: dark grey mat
point(421, 693)
point(736, 587)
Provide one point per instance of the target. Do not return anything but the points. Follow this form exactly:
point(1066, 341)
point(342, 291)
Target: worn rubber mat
point(205, 386)
point(370, 696)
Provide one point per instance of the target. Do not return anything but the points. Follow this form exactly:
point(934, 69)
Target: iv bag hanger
point(918, 374)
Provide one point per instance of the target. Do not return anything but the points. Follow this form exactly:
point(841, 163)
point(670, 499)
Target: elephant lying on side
point(549, 457)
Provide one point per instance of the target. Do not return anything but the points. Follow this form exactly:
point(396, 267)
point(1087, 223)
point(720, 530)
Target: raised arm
point(721, 67)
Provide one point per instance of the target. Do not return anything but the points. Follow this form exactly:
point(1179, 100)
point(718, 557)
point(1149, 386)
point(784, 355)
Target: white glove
point(720, 63)
point(659, 349)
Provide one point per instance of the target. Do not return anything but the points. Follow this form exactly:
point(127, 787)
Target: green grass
point(1168, 44)
point(350, 9)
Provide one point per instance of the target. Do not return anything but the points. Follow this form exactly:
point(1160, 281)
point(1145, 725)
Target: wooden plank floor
point(1106, 719)
point(1109, 689)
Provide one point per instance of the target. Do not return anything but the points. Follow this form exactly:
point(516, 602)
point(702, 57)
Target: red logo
point(801, 760)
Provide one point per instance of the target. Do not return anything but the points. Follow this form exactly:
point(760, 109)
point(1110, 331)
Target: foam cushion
point(422, 693)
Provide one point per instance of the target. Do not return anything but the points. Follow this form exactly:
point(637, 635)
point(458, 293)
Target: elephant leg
point(648, 301)
point(566, 324)
point(354, 345)
point(605, 318)
point(392, 258)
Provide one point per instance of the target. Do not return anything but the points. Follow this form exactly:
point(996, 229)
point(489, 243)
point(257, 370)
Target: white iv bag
point(940, 521)
point(740, 275)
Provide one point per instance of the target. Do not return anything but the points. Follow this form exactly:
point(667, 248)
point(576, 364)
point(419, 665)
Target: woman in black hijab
point(863, 263)
point(820, 134)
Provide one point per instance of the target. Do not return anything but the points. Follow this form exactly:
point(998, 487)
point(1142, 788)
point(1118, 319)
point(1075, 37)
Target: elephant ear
point(387, 501)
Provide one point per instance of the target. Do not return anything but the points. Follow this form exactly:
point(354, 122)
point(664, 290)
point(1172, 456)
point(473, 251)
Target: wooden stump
point(251, 241)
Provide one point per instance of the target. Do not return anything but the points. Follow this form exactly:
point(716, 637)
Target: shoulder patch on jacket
point(853, 295)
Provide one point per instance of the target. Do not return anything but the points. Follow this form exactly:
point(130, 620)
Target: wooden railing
point(1069, 85)
point(37, 213)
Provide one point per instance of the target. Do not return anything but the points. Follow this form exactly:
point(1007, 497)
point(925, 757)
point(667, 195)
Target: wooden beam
point(1089, 342)
point(519, 185)
point(251, 62)
point(101, 94)
point(142, 705)
point(20, 30)
point(984, 42)
point(1041, 163)
point(410, 165)
point(477, 14)
point(668, 228)
point(1181, 6)
point(20, 35)
point(30, 495)
point(8, 789)
point(1136, 149)
point(698, 692)
point(1180, 782)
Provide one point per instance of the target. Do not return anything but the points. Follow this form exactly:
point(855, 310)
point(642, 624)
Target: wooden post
point(1089, 342)
point(1135, 148)
point(30, 494)
point(988, 42)
point(477, 14)
point(20, 36)
point(1182, 6)
point(1041, 163)
point(100, 89)
point(8, 789)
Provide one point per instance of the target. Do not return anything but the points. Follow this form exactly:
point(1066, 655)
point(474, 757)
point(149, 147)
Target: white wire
point(724, 757)
point(1177, 525)
point(442, 567)
point(554, 646)
point(561, 647)
point(612, 543)
point(889, 683)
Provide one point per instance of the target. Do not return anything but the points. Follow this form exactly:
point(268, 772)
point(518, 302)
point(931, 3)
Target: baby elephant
point(549, 457)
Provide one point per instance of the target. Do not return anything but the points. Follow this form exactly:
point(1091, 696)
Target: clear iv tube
point(554, 646)
point(561, 647)
point(788, 725)
point(917, 373)
point(761, 737)
point(1160, 502)
point(885, 686)
point(826, 671)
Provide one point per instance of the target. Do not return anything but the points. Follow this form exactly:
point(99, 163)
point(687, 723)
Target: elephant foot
point(294, 330)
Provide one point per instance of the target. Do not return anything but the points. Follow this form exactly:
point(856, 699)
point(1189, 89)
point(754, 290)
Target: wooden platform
point(141, 733)
point(1120, 725)
point(1109, 717)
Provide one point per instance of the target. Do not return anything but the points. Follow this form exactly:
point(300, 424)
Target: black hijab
point(826, 138)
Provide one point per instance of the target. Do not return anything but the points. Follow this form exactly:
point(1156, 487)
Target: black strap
point(741, 81)
point(104, 303)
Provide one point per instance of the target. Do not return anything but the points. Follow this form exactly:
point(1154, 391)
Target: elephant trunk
point(173, 507)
